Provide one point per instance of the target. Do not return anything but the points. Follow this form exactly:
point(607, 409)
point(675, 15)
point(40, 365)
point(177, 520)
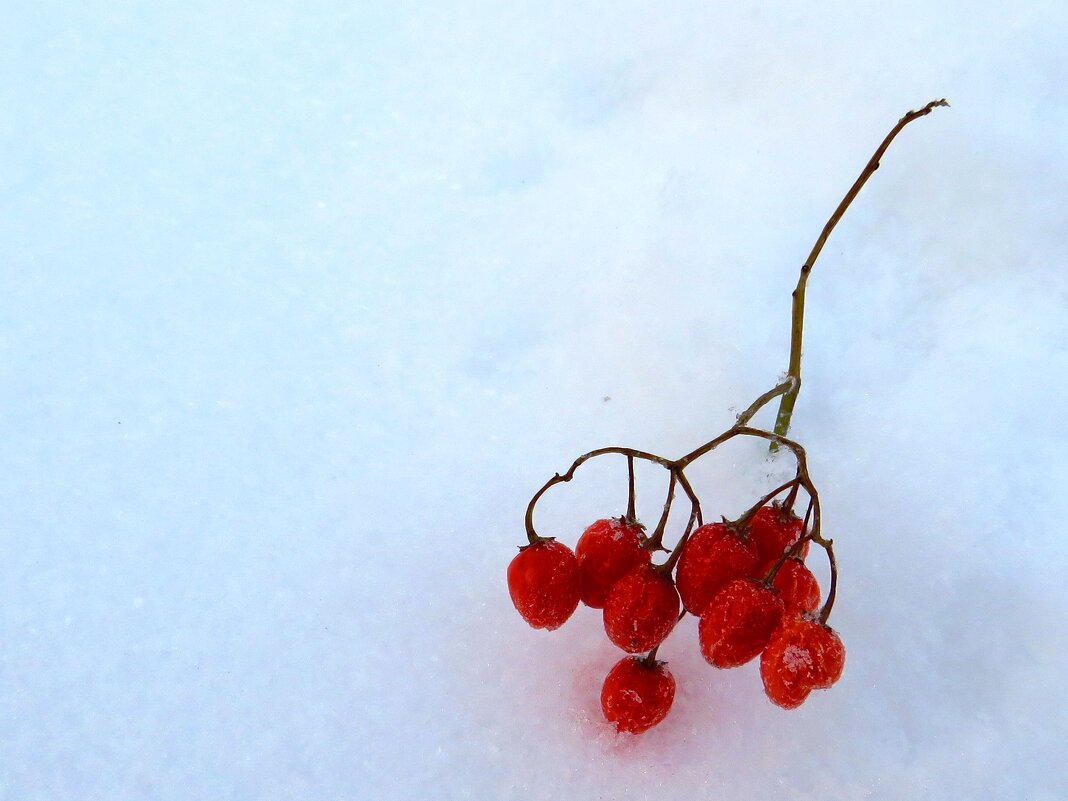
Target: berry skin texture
point(739, 622)
point(799, 588)
point(713, 555)
point(772, 529)
point(641, 610)
point(607, 551)
point(803, 655)
point(636, 695)
point(543, 583)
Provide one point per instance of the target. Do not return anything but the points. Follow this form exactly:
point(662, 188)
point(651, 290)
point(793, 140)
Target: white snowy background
point(300, 303)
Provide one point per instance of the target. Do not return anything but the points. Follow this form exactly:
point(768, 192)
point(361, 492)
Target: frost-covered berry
point(637, 695)
point(803, 655)
point(543, 583)
point(799, 588)
point(714, 555)
point(607, 551)
point(738, 623)
point(641, 609)
point(773, 529)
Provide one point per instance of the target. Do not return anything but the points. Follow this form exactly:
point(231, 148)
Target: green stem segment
point(797, 326)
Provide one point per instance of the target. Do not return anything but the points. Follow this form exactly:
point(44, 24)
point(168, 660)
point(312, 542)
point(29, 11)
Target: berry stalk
point(797, 323)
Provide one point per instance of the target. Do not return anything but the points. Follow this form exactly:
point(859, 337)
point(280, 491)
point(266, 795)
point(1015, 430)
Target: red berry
point(802, 655)
point(641, 609)
point(738, 623)
point(607, 551)
point(543, 583)
point(799, 588)
point(773, 529)
point(713, 555)
point(636, 695)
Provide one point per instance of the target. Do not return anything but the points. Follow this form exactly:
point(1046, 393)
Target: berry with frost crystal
point(636, 694)
point(607, 551)
point(773, 529)
point(739, 622)
point(543, 583)
point(803, 655)
point(641, 609)
point(714, 555)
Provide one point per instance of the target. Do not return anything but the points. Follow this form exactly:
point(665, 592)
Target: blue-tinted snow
point(301, 302)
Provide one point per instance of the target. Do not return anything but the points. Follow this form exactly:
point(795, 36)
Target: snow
point(301, 304)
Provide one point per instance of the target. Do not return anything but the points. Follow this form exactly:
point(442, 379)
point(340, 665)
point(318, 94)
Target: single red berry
point(739, 622)
point(828, 645)
point(543, 583)
point(799, 588)
point(802, 655)
point(607, 551)
point(637, 695)
point(773, 529)
point(714, 555)
point(641, 609)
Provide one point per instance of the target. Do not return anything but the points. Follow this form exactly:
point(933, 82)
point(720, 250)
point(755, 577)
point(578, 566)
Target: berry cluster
point(746, 580)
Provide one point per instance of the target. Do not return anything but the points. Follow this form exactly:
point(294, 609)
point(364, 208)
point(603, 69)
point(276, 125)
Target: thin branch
point(786, 386)
point(792, 484)
point(560, 478)
point(630, 489)
point(825, 612)
point(786, 405)
point(657, 540)
point(695, 503)
point(748, 431)
point(793, 551)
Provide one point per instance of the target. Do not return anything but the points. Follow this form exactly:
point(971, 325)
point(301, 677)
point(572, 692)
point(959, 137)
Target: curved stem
point(676, 552)
point(786, 405)
point(794, 447)
point(740, 423)
point(808, 515)
point(792, 484)
point(560, 478)
point(781, 389)
point(695, 518)
point(675, 467)
point(742, 430)
point(788, 504)
point(825, 612)
point(695, 503)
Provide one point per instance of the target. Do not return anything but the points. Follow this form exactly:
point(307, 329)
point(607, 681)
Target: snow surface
point(301, 303)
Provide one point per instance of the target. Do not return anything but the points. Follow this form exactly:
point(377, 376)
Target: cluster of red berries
point(746, 581)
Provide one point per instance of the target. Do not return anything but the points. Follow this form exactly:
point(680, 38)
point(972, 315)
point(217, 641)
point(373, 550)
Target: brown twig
point(786, 405)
